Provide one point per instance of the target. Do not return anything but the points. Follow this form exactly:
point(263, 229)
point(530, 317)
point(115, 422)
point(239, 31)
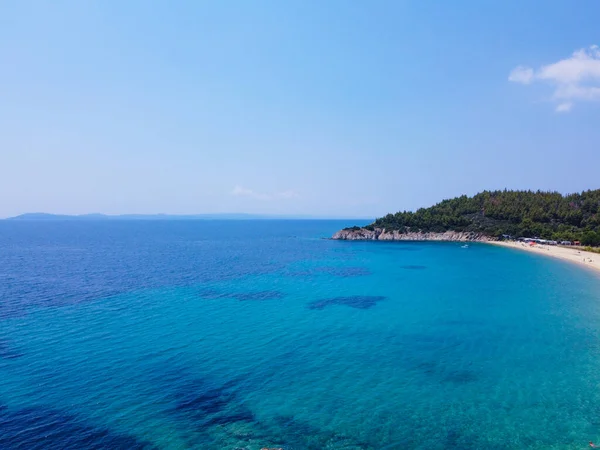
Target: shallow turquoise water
point(239, 335)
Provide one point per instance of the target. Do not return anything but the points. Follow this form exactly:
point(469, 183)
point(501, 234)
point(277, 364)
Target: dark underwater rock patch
point(45, 428)
point(220, 418)
point(355, 301)
point(210, 406)
point(209, 402)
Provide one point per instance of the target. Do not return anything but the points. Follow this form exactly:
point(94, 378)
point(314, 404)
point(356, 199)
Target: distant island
point(52, 217)
point(493, 215)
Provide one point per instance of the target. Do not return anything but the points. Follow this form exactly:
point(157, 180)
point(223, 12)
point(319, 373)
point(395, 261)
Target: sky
point(328, 108)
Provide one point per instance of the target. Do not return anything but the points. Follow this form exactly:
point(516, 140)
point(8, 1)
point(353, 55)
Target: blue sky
point(330, 108)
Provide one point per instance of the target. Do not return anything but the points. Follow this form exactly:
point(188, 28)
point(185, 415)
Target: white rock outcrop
point(381, 234)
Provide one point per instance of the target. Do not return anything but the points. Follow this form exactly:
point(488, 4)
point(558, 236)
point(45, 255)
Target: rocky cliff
point(380, 234)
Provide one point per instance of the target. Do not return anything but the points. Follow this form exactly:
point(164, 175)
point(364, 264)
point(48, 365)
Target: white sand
point(573, 254)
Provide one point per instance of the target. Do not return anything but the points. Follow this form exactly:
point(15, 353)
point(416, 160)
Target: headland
point(500, 217)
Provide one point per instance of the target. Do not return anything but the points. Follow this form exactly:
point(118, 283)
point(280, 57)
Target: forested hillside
point(548, 215)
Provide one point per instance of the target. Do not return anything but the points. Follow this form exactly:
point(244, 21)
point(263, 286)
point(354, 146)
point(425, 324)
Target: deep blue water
point(243, 335)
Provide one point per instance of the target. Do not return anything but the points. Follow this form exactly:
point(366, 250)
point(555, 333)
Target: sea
point(260, 334)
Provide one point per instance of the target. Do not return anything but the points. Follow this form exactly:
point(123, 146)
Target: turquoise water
point(243, 335)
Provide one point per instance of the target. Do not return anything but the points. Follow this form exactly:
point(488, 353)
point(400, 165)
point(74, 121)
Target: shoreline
point(381, 234)
point(574, 255)
point(571, 254)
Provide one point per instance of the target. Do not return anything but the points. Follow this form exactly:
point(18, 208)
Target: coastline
point(574, 255)
point(381, 234)
point(571, 254)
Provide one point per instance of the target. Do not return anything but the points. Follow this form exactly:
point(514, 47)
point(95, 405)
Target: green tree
point(518, 213)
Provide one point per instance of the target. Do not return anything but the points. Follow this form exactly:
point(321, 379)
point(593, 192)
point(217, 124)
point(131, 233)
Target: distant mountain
point(43, 216)
point(229, 216)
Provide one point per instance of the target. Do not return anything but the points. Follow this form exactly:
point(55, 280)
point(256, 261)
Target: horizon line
point(165, 216)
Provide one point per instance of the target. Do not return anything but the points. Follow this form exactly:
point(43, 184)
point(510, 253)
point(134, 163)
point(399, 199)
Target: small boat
point(465, 246)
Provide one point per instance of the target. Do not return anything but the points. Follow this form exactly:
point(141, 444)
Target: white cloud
point(521, 74)
point(240, 191)
point(576, 78)
point(564, 107)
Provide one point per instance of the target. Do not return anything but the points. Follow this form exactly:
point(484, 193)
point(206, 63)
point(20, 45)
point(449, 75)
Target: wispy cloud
point(521, 74)
point(240, 191)
point(573, 79)
point(564, 107)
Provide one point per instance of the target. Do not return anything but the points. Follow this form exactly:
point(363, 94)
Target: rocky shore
point(381, 234)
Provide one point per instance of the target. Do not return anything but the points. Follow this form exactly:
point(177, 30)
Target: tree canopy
point(547, 215)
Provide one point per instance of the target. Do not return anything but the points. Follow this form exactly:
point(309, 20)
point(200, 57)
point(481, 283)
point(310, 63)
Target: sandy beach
point(574, 254)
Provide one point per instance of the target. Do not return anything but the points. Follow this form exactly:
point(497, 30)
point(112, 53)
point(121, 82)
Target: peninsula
point(493, 216)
